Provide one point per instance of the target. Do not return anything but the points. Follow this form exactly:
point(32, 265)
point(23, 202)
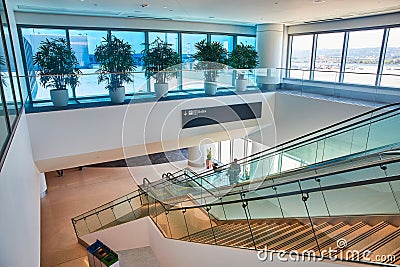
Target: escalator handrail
point(281, 147)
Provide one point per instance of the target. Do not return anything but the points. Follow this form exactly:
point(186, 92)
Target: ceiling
point(245, 12)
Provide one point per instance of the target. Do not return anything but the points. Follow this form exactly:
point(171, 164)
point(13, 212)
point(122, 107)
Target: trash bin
point(92, 250)
point(102, 252)
point(111, 260)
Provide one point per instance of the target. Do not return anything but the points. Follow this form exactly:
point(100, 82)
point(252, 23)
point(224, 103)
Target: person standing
point(233, 172)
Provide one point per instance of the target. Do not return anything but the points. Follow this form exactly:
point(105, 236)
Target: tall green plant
point(160, 61)
point(243, 57)
point(57, 64)
point(211, 56)
point(116, 62)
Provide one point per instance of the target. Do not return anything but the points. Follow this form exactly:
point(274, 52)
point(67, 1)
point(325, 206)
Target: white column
point(197, 156)
point(43, 185)
point(269, 48)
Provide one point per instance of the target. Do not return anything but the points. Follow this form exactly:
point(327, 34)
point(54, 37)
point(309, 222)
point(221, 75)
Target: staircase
point(381, 239)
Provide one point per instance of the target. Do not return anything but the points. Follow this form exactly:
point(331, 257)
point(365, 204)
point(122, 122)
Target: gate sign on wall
point(203, 116)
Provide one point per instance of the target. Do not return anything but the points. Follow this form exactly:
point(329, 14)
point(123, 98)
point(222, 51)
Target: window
point(328, 56)
point(191, 79)
point(137, 41)
point(238, 148)
point(362, 56)
point(225, 152)
point(225, 40)
point(13, 70)
point(246, 40)
point(300, 61)
point(83, 43)
point(7, 86)
point(172, 39)
point(31, 39)
point(391, 67)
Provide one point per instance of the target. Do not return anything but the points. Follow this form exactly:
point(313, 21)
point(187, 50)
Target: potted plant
point(242, 58)
point(58, 67)
point(116, 64)
point(159, 61)
point(209, 159)
point(211, 57)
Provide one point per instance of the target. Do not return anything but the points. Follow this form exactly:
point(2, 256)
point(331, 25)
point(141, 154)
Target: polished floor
point(80, 191)
point(68, 196)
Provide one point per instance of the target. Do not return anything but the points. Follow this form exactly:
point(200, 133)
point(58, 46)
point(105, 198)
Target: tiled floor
point(80, 191)
point(68, 196)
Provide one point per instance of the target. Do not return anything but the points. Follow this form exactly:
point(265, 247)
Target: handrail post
point(245, 205)
point(304, 198)
point(212, 229)
point(187, 228)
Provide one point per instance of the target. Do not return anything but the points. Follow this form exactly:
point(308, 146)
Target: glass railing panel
point(359, 138)
point(392, 169)
point(338, 145)
point(292, 206)
point(316, 202)
point(237, 211)
point(123, 212)
point(162, 220)
point(353, 176)
point(361, 200)
point(177, 227)
point(385, 131)
point(265, 208)
point(197, 220)
point(107, 217)
point(93, 223)
point(192, 80)
point(81, 227)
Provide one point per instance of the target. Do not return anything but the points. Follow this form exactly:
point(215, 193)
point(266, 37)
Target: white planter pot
point(241, 85)
point(59, 97)
point(161, 89)
point(210, 88)
point(118, 95)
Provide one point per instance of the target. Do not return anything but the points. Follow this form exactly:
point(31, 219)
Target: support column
point(269, 48)
point(197, 156)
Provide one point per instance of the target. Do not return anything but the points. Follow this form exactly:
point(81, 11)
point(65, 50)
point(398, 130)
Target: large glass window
point(172, 39)
point(328, 56)
point(391, 68)
point(7, 85)
point(31, 39)
point(137, 41)
point(300, 61)
point(362, 56)
point(247, 40)
point(4, 132)
point(225, 152)
point(13, 70)
point(225, 40)
point(191, 79)
point(83, 43)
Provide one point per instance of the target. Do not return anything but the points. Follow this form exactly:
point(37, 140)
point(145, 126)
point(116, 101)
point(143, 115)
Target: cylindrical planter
point(161, 89)
point(117, 95)
point(210, 88)
point(59, 97)
point(241, 85)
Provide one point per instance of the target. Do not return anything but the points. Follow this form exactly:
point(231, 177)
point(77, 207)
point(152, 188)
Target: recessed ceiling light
point(82, 0)
point(319, 1)
point(165, 7)
point(211, 17)
point(145, 5)
point(170, 10)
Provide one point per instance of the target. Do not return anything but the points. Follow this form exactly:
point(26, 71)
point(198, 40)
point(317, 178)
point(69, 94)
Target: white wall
point(174, 253)
point(20, 203)
point(129, 23)
point(296, 115)
point(63, 139)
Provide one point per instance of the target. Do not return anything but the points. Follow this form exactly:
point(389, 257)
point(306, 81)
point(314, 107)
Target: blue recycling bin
point(92, 249)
